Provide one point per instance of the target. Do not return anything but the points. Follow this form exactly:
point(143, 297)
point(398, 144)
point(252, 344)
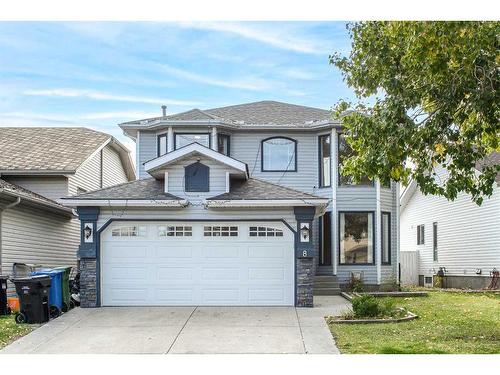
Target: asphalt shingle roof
point(255, 189)
point(25, 193)
point(47, 149)
point(148, 188)
point(266, 112)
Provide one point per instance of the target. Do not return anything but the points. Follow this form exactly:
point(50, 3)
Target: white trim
point(124, 203)
point(266, 203)
point(378, 233)
point(138, 155)
point(334, 182)
point(228, 182)
point(170, 139)
point(214, 138)
point(190, 149)
point(165, 183)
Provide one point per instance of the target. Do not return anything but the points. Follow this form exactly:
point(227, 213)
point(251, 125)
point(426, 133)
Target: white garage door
point(192, 263)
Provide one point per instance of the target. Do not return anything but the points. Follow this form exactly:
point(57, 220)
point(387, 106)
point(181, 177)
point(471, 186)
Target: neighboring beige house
point(38, 166)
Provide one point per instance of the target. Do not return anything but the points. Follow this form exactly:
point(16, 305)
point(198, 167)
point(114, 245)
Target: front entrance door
point(325, 251)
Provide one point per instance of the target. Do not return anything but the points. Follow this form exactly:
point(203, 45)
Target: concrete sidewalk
point(200, 330)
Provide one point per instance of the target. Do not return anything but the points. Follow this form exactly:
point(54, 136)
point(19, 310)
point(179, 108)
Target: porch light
point(87, 233)
point(304, 232)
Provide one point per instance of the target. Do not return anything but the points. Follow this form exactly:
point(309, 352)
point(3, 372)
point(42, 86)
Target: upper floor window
point(184, 139)
point(162, 144)
point(279, 154)
point(197, 176)
point(421, 234)
point(345, 152)
point(324, 161)
point(223, 144)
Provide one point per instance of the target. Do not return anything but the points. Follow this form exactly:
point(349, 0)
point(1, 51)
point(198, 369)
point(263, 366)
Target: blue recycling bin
point(55, 292)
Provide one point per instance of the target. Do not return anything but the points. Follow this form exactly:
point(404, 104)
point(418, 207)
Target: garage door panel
point(197, 270)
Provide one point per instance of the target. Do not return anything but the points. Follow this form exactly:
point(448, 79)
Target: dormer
point(196, 171)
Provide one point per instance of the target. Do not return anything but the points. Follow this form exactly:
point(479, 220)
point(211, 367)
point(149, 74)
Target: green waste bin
point(66, 295)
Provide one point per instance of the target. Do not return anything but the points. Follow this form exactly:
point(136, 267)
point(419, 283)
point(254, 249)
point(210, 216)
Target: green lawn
point(10, 331)
point(448, 323)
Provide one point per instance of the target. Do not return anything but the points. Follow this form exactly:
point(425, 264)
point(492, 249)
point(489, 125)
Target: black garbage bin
point(33, 295)
point(4, 310)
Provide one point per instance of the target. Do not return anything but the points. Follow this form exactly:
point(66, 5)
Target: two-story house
point(239, 205)
point(39, 165)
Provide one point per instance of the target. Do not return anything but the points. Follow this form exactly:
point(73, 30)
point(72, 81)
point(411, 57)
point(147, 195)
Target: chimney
point(164, 110)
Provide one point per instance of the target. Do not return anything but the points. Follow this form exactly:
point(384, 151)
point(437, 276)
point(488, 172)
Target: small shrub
point(365, 306)
point(355, 285)
point(386, 307)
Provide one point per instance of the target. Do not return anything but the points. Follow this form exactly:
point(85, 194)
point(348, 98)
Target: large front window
point(184, 139)
point(345, 152)
point(356, 238)
point(279, 155)
point(324, 161)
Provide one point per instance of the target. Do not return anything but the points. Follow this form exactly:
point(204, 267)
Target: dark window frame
point(192, 133)
point(421, 236)
point(435, 241)
point(158, 140)
point(278, 170)
point(207, 186)
point(389, 255)
point(320, 160)
point(339, 175)
point(372, 213)
point(228, 137)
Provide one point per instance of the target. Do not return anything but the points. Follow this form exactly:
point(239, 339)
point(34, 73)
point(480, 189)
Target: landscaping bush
point(355, 285)
point(365, 306)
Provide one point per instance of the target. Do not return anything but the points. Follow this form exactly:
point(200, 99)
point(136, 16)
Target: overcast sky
point(101, 74)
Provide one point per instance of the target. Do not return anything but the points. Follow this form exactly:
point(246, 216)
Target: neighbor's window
point(265, 232)
point(435, 241)
point(420, 234)
point(345, 152)
point(386, 237)
point(184, 139)
point(162, 144)
point(356, 238)
point(175, 231)
point(129, 231)
point(279, 155)
point(223, 144)
point(324, 161)
point(220, 231)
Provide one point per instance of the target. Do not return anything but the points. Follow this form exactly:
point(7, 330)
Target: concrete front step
point(326, 292)
point(323, 285)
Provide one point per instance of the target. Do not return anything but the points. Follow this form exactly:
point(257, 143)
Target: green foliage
point(365, 306)
point(435, 87)
point(454, 323)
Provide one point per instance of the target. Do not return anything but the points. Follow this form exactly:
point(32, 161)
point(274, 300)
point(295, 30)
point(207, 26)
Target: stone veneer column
point(304, 258)
point(87, 253)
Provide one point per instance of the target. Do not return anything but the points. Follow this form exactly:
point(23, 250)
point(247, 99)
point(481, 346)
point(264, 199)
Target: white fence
point(409, 267)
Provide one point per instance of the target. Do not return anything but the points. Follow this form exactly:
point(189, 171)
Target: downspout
point(10, 205)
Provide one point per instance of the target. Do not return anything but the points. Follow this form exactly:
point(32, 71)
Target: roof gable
point(154, 166)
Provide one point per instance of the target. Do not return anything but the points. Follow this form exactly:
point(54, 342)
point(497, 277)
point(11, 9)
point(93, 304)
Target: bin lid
point(32, 279)
point(47, 271)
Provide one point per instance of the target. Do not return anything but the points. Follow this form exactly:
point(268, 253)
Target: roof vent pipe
point(164, 110)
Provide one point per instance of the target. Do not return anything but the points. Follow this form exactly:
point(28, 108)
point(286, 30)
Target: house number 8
point(304, 253)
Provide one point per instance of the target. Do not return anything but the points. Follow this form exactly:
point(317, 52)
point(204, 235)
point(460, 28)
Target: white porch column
point(214, 139)
point(334, 183)
point(170, 139)
point(378, 234)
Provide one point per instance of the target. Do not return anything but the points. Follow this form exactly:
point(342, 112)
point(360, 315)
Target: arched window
point(279, 154)
point(197, 177)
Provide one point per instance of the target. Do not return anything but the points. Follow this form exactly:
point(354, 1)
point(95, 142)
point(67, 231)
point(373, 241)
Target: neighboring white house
point(37, 167)
point(458, 235)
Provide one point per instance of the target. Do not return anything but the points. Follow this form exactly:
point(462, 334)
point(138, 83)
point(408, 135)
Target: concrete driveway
point(197, 330)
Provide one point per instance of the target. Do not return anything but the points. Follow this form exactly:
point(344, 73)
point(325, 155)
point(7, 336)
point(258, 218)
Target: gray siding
point(88, 176)
point(468, 235)
point(113, 172)
point(51, 187)
point(30, 235)
point(147, 150)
